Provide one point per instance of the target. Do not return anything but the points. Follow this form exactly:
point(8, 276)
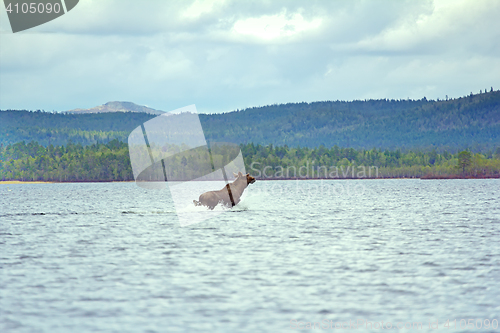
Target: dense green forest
point(58, 128)
point(471, 122)
point(110, 162)
point(332, 139)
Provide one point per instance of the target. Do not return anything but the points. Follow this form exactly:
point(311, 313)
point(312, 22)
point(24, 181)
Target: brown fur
point(213, 198)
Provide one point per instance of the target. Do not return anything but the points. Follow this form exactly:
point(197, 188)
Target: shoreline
point(461, 177)
point(15, 182)
point(12, 182)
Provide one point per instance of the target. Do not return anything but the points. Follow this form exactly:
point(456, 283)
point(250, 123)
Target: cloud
point(439, 26)
point(223, 55)
point(270, 27)
point(201, 8)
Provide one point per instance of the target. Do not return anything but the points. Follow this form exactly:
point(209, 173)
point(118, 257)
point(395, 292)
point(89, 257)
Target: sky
point(225, 55)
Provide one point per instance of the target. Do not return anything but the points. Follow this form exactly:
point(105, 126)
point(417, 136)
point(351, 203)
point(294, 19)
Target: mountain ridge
point(468, 122)
point(117, 106)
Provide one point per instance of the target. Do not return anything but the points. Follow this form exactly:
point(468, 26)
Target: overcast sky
point(224, 55)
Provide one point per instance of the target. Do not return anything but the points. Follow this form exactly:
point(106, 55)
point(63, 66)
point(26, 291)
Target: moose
point(229, 196)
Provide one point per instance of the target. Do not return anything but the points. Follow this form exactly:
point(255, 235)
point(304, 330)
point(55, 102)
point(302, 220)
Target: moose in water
point(229, 196)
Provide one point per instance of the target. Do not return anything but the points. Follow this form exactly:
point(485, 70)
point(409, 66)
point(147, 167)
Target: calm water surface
point(112, 257)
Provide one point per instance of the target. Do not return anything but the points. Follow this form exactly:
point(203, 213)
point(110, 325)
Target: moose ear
point(248, 174)
point(240, 174)
point(235, 174)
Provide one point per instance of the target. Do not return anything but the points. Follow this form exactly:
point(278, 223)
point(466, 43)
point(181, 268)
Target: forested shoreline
point(110, 162)
point(453, 138)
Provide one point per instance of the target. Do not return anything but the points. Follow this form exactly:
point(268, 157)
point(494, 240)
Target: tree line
point(470, 122)
point(111, 162)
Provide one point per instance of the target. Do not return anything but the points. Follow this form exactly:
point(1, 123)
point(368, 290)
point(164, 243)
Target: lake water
point(112, 257)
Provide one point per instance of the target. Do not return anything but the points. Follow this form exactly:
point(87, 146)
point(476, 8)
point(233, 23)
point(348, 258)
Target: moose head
point(240, 176)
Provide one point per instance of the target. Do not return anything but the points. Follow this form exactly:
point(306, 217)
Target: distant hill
point(469, 122)
point(117, 107)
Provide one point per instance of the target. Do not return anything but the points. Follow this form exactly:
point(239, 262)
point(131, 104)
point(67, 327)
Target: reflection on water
point(112, 257)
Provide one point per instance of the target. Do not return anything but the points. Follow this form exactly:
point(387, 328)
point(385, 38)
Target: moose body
point(234, 190)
